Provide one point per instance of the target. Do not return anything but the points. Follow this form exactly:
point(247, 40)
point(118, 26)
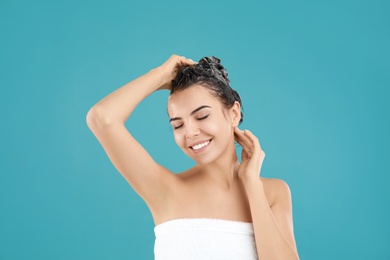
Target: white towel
point(204, 239)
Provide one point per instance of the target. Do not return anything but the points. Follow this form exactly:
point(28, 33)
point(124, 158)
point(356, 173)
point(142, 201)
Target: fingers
point(243, 140)
point(248, 141)
point(187, 61)
point(257, 146)
point(181, 60)
point(253, 138)
point(174, 63)
point(186, 58)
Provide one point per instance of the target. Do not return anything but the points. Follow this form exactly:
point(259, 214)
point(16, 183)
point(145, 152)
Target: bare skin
point(218, 186)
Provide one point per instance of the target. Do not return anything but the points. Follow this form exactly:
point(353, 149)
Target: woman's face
point(203, 128)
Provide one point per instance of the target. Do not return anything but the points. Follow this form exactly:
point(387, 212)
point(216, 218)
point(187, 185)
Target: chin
point(203, 162)
point(205, 159)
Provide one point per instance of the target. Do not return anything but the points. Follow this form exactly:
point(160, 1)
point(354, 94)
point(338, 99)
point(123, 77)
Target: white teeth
point(198, 146)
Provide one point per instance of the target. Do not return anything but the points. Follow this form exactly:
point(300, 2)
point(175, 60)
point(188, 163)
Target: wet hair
point(209, 73)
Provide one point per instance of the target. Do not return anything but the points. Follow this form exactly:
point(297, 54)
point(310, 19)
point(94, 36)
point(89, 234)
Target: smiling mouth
point(200, 146)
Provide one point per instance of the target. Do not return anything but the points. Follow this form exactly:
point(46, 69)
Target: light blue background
point(313, 76)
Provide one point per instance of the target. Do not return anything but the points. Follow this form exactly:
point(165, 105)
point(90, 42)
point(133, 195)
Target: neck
point(223, 171)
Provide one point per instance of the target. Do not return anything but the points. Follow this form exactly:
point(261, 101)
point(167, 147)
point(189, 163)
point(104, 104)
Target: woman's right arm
point(106, 120)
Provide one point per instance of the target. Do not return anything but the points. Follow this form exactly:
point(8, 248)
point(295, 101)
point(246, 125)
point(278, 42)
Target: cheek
point(178, 138)
point(219, 126)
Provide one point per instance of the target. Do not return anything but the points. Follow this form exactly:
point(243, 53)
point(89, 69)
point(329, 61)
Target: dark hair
point(209, 73)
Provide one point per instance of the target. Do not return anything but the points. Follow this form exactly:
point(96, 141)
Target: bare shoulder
point(275, 190)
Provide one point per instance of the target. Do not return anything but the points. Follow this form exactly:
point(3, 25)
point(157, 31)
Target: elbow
point(96, 119)
point(90, 118)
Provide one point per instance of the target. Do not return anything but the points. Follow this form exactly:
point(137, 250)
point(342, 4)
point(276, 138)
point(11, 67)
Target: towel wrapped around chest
point(203, 239)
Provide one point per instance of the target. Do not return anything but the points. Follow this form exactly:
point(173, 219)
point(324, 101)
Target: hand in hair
point(170, 68)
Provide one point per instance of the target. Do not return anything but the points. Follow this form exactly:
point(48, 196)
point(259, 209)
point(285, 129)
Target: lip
point(201, 149)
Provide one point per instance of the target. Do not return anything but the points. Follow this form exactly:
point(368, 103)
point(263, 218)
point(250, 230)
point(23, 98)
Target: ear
point(235, 113)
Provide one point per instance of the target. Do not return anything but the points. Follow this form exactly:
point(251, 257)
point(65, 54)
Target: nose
point(192, 130)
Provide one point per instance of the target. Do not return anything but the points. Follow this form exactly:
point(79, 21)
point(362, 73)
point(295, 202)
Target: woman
point(220, 208)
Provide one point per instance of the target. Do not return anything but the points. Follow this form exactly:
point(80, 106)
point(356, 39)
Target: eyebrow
point(193, 112)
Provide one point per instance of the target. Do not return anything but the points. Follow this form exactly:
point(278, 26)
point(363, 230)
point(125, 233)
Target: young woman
point(219, 209)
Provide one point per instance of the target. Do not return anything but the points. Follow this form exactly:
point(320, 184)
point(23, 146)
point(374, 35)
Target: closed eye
point(201, 118)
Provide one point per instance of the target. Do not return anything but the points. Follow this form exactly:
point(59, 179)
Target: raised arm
point(106, 120)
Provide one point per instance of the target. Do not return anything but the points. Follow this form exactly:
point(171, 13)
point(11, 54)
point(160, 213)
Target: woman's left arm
point(272, 224)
